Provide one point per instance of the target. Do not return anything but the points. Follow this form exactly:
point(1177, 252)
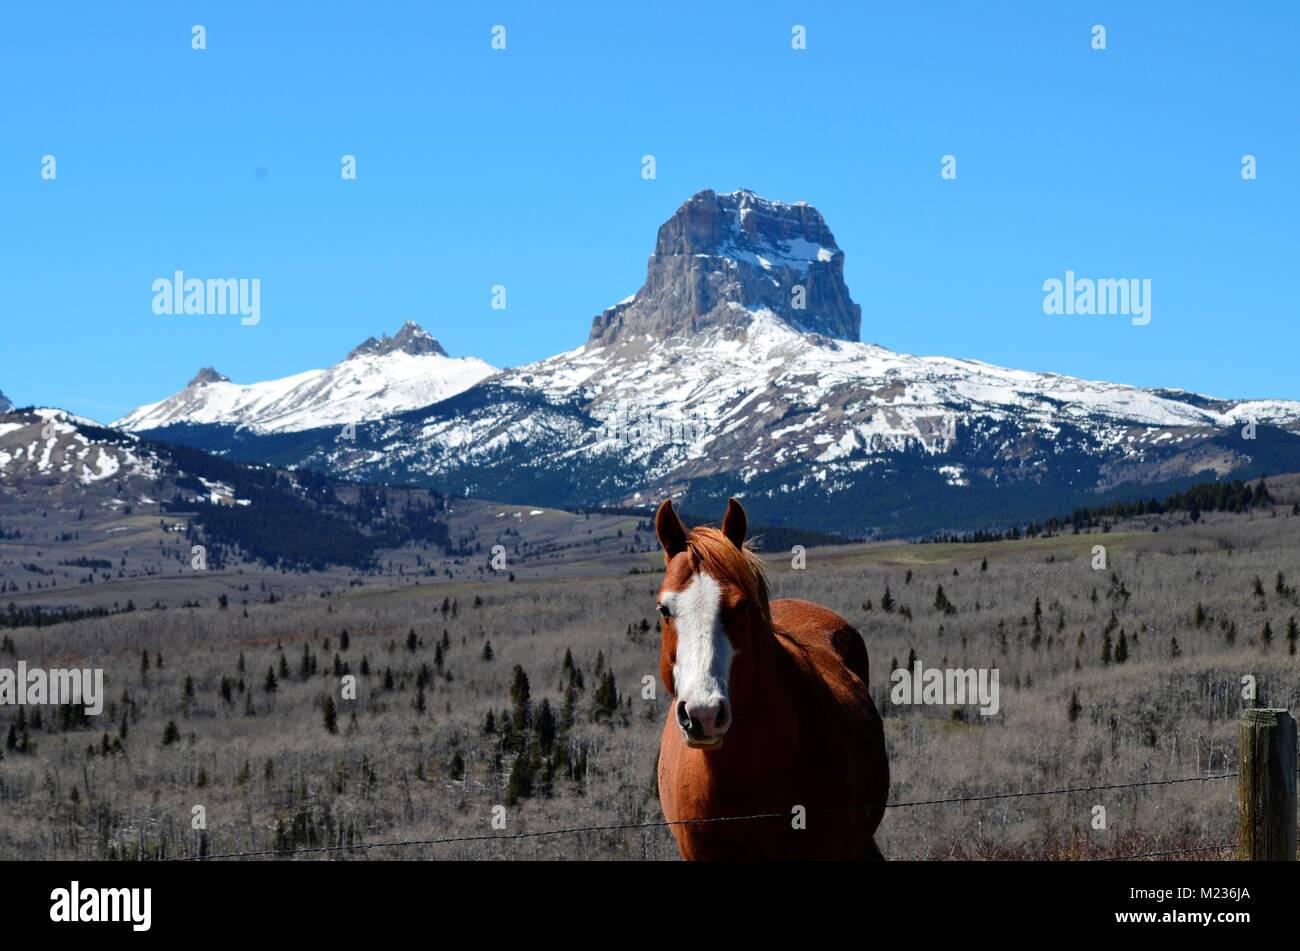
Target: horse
point(771, 712)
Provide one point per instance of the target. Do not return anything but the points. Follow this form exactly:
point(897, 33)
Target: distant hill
point(53, 461)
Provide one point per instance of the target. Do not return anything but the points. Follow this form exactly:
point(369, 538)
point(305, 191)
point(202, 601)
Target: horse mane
point(743, 567)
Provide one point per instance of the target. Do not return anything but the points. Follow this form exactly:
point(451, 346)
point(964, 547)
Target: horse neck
point(766, 726)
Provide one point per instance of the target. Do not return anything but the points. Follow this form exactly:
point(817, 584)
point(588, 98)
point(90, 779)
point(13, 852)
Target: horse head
point(714, 605)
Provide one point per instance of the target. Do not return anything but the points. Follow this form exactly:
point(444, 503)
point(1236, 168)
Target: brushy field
point(1108, 676)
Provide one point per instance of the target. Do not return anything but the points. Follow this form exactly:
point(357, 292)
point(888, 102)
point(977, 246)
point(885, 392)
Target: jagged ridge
point(378, 378)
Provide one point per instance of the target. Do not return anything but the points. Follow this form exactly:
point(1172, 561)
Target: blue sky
point(478, 167)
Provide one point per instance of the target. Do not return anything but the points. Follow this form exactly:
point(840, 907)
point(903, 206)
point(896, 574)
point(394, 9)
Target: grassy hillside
point(411, 757)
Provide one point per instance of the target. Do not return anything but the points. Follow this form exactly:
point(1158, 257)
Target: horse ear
point(735, 523)
point(671, 531)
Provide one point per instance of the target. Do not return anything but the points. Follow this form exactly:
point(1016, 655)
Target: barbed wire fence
point(757, 817)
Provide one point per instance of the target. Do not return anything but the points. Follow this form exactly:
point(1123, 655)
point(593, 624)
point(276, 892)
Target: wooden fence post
point(1266, 784)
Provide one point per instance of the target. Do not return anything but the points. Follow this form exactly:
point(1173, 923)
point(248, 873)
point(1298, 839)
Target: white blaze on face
point(704, 651)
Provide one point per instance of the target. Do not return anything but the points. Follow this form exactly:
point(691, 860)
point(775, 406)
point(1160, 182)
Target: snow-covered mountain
point(736, 369)
point(378, 378)
point(52, 446)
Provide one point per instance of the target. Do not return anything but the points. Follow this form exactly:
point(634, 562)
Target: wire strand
point(665, 823)
point(1058, 792)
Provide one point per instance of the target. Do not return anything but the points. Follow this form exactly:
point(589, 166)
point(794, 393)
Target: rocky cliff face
point(411, 338)
point(722, 257)
point(208, 375)
point(5, 404)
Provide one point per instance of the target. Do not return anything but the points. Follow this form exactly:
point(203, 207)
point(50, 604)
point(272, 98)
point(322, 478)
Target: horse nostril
point(683, 718)
point(720, 720)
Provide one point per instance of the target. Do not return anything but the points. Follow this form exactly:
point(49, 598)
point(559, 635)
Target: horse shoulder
point(821, 642)
point(820, 631)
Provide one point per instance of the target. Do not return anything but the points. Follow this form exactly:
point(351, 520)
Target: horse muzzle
point(703, 725)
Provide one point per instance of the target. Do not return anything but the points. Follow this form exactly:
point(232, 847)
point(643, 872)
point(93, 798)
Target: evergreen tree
point(605, 699)
point(520, 784)
point(547, 727)
point(520, 701)
point(24, 739)
point(171, 734)
point(330, 715)
point(941, 602)
point(1075, 706)
point(569, 709)
point(271, 685)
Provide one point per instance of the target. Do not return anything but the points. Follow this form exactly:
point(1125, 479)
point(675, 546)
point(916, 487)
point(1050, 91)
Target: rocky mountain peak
point(5, 404)
point(411, 338)
point(719, 257)
point(208, 375)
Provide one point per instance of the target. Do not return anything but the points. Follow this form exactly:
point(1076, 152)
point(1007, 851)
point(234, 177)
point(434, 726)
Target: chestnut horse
point(771, 709)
